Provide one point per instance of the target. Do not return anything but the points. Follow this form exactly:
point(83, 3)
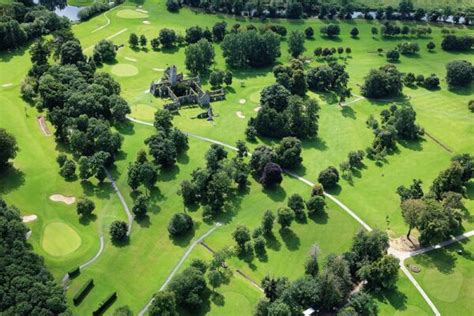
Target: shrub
point(105, 304)
point(180, 224)
point(470, 105)
point(315, 204)
point(271, 175)
point(431, 82)
point(118, 231)
point(83, 291)
point(86, 13)
point(329, 177)
point(392, 55)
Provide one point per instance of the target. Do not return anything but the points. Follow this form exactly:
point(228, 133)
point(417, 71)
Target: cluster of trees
point(218, 77)
point(251, 48)
point(323, 10)
point(168, 142)
point(167, 38)
point(27, 287)
point(457, 43)
point(142, 173)
point(212, 186)
point(283, 114)
point(327, 52)
point(134, 40)
point(391, 29)
point(353, 162)
point(82, 104)
point(383, 82)
point(22, 22)
point(331, 288)
point(8, 148)
point(89, 12)
point(431, 82)
point(408, 48)
point(331, 77)
point(438, 213)
point(330, 30)
point(459, 73)
point(397, 123)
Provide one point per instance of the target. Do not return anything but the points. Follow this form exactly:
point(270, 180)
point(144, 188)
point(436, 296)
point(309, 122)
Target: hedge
point(105, 304)
point(83, 291)
point(74, 273)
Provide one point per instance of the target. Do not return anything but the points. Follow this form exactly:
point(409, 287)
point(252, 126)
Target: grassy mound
point(124, 70)
point(131, 14)
point(59, 239)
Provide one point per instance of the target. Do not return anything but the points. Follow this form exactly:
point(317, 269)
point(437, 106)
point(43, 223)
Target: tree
point(39, 52)
point(449, 180)
point(123, 311)
point(296, 43)
point(311, 265)
point(392, 55)
point(362, 304)
point(411, 211)
point(85, 207)
point(267, 222)
point(216, 79)
point(164, 303)
point(199, 56)
point(296, 203)
point(241, 236)
point(431, 82)
point(289, 153)
point(172, 5)
point(470, 105)
point(140, 205)
point(167, 37)
point(271, 175)
point(459, 73)
point(374, 31)
point(381, 274)
point(215, 279)
point(383, 82)
point(228, 78)
point(163, 149)
point(261, 156)
point(259, 245)
point(8, 148)
point(280, 308)
point(354, 32)
point(71, 53)
point(118, 231)
point(133, 40)
point(285, 217)
point(219, 31)
point(189, 287)
point(430, 46)
point(143, 40)
point(329, 177)
point(330, 30)
point(309, 32)
point(316, 204)
point(68, 170)
point(294, 10)
point(193, 34)
point(180, 224)
point(275, 96)
point(104, 51)
point(415, 191)
point(199, 264)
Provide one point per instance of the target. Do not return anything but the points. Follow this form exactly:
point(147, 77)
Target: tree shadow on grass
point(443, 259)
point(320, 217)
point(218, 299)
point(348, 111)
point(125, 128)
point(121, 243)
point(415, 145)
point(395, 298)
point(291, 240)
point(143, 221)
point(168, 174)
point(334, 191)
point(272, 242)
point(86, 220)
point(10, 179)
point(276, 193)
point(184, 240)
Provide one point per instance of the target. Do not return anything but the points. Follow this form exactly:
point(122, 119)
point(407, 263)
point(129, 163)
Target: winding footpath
point(179, 264)
point(122, 200)
point(401, 255)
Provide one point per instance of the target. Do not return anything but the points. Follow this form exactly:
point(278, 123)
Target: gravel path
point(122, 200)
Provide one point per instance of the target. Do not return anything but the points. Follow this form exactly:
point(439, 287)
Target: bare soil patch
point(403, 244)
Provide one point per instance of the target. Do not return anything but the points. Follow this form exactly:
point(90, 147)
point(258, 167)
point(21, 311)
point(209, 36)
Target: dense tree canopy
point(459, 73)
point(383, 82)
point(8, 148)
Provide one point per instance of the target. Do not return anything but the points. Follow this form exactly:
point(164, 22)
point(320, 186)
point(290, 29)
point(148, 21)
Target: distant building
point(183, 91)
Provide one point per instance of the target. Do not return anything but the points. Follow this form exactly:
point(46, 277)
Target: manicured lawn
point(447, 277)
point(137, 269)
point(59, 239)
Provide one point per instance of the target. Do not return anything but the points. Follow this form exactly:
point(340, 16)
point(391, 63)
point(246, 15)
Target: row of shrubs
point(105, 304)
point(83, 291)
point(87, 13)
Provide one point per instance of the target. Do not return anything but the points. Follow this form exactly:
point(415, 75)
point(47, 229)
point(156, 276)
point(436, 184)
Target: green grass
point(447, 277)
point(57, 246)
point(138, 269)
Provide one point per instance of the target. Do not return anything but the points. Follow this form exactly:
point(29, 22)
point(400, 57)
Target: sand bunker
point(131, 59)
point(61, 198)
point(158, 69)
point(242, 101)
point(146, 22)
point(124, 70)
point(239, 114)
point(142, 11)
point(257, 108)
point(44, 128)
point(6, 85)
point(29, 218)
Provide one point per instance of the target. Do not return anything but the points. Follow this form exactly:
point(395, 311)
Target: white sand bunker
point(142, 11)
point(131, 59)
point(239, 114)
point(158, 69)
point(61, 198)
point(6, 85)
point(257, 108)
point(29, 218)
point(146, 22)
point(242, 101)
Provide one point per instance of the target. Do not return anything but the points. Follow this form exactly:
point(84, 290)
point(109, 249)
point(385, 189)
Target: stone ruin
point(183, 91)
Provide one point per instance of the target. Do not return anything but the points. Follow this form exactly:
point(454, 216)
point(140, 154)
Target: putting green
point(59, 239)
point(124, 70)
point(131, 14)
